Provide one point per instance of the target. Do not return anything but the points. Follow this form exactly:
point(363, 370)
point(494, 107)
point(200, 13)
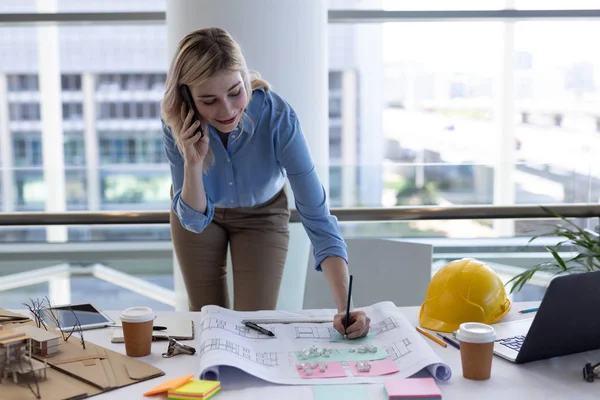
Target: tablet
point(88, 315)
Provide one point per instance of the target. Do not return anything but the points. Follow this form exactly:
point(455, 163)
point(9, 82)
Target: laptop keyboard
point(514, 342)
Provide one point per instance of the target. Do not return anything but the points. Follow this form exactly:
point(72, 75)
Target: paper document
point(178, 328)
point(225, 341)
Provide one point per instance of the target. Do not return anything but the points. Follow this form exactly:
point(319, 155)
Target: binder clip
point(590, 372)
point(176, 348)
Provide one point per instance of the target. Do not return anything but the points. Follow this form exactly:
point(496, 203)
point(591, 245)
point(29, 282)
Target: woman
point(228, 182)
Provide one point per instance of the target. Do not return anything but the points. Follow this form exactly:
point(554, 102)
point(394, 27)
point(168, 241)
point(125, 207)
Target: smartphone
point(186, 95)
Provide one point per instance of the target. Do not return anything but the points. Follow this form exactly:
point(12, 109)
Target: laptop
point(565, 323)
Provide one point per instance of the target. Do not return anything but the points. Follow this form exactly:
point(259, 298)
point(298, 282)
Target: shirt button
point(231, 201)
point(230, 183)
point(233, 136)
point(228, 159)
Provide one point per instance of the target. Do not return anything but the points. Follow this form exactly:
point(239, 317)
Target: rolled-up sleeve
point(310, 197)
point(190, 219)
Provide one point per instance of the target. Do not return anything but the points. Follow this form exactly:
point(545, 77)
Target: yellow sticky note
point(195, 389)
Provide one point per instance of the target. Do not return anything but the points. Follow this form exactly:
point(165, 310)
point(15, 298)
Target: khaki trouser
point(258, 238)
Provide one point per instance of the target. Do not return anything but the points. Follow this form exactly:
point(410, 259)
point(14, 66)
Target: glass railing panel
point(123, 271)
point(109, 282)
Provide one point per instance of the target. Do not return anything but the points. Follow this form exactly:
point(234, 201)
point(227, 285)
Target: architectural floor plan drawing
point(238, 329)
point(399, 349)
point(268, 359)
point(315, 332)
point(384, 326)
point(227, 343)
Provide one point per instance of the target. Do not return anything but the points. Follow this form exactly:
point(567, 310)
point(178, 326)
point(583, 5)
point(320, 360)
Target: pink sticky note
point(412, 388)
point(334, 370)
point(378, 368)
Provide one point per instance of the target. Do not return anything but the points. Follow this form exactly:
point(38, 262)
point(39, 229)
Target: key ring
point(176, 348)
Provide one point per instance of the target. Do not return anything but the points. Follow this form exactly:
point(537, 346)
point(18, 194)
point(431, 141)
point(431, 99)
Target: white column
point(504, 191)
point(369, 58)
point(286, 42)
point(51, 113)
point(349, 138)
point(6, 148)
point(91, 142)
point(59, 290)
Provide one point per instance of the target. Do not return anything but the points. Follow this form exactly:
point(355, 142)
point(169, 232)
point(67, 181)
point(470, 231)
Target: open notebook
point(178, 328)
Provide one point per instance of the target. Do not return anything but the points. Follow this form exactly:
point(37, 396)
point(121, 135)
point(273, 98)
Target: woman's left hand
point(358, 324)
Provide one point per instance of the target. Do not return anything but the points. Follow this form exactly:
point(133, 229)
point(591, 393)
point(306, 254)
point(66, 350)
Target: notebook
point(195, 389)
point(412, 388)
point(178, 328)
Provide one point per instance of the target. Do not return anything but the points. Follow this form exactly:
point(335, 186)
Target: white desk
point(558, 378)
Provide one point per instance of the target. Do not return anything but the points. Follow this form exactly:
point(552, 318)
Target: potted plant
point(585, 243)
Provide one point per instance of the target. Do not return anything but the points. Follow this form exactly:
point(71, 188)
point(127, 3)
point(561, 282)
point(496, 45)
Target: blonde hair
point(201, 55)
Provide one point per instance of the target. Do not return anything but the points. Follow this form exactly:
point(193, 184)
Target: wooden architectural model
point(44, 343)
point(16, 359)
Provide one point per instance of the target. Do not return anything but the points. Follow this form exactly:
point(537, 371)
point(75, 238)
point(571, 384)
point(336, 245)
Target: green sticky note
point(346, 392)
point(337, 338)
point(345, 355)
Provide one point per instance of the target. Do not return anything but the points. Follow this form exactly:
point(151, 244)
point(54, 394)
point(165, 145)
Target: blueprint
point(226, 341)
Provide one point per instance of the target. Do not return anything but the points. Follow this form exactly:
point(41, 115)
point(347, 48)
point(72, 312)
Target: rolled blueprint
point(440, 372)
point(210, 374)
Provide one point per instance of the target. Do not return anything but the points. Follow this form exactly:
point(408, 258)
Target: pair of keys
point(176, 348)
point(590, 372)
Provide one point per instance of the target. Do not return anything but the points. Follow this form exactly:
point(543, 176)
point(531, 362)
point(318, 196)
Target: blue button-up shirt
point(253, 168)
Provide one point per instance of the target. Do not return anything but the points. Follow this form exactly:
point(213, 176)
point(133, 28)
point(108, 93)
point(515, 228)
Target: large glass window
point(557, 99)
point(135, 189)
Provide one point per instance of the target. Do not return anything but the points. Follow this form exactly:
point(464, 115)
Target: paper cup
point(137, 330)
point(476, 349)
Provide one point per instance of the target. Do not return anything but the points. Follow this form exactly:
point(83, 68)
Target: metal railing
point(334, 16)
point(343, 214)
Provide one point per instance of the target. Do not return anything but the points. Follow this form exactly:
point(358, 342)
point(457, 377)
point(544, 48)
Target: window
point(70, 82)
point(335, 80)
point(157, 82)
point(22, 83)
point(335, 107)
point(27, 149)
point(74, 148)
point(72, 111)
point(108, 82)
point(24, 111)
point(75, 188)
point(153, 150)
point(30, 190)
point(140, 187)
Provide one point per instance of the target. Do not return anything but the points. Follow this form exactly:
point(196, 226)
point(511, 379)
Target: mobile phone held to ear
point(186, 95)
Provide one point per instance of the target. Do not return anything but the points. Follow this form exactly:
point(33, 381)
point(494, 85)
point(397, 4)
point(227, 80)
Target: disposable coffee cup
point(476, 349)
point(137, 330)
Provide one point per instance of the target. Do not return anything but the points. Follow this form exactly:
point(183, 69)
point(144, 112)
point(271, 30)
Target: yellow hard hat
point(464, 290)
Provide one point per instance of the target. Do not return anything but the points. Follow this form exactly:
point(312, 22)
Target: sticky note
point(169, 385)
point(195, 389)
point(412, 388)
point(337, 338)
point(346, 392)
point(378, 368)
point(334, 370)
point(345, 355)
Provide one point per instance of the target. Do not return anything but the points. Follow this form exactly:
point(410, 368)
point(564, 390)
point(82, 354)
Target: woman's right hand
point(195, 146)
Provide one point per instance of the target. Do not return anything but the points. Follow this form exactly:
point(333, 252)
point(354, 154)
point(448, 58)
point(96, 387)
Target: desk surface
point(557, 378)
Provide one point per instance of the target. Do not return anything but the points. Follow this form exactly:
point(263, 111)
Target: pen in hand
point(348, 307)
point(252, 325)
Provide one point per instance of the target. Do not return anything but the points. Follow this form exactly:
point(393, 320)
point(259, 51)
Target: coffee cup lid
point(475, 332)
point(137, 314)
